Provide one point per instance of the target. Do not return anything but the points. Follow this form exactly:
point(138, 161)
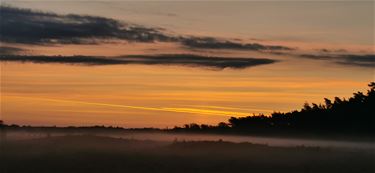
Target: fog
point(139, 152)
point(173, 137)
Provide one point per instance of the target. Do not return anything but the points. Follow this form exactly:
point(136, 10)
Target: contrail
point(164, 109)
point(233, 108)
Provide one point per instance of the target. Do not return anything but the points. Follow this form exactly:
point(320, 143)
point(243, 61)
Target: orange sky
point(169, 95)
point(138, 95)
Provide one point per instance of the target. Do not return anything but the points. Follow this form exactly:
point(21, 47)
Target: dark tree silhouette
point(355, 115)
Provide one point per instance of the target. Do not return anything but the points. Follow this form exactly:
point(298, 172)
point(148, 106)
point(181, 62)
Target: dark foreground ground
point(91, 154)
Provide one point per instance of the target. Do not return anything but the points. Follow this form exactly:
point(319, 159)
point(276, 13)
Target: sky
point(168, 63)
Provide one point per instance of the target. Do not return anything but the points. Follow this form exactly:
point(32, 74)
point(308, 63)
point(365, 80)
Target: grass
point(88, 153)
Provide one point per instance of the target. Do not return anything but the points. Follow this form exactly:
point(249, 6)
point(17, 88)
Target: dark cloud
point(83, 60)
point(26, 26)
point(178, 59)
point(195, 60)
point(332, 50)
point(346, 59)
point(34, 27)
point(5, 50)
point(212, 43)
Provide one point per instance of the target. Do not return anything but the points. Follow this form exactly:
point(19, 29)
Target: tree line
point(352, 116)
point(355, 115)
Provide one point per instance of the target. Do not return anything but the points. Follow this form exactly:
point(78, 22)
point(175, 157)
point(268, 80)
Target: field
point(91, 153)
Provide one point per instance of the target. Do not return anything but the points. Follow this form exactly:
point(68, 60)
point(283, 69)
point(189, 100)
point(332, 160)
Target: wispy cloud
point(345, 59)
point(168, 59)
point(27, 26)
point(213, 43)
point(6, 50)
point(332, 50)
point(35, 27)
point(162, 109)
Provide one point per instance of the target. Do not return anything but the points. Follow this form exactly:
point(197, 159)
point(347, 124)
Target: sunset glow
point(290, 60)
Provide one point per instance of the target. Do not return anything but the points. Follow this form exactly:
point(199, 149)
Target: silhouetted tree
point(353, 115)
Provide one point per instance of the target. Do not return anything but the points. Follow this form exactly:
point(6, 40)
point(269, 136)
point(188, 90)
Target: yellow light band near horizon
point(165, 109)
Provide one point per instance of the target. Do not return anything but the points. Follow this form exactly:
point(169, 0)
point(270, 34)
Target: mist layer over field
point(173, 137)
point(155, 152)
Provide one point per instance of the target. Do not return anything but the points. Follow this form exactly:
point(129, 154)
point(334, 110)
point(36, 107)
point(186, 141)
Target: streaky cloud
point(6, 50)
point(162, 109)
point(212, 43)
point(332, 50)
point(367, 60)
point(26, 26)
point(167, 59)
